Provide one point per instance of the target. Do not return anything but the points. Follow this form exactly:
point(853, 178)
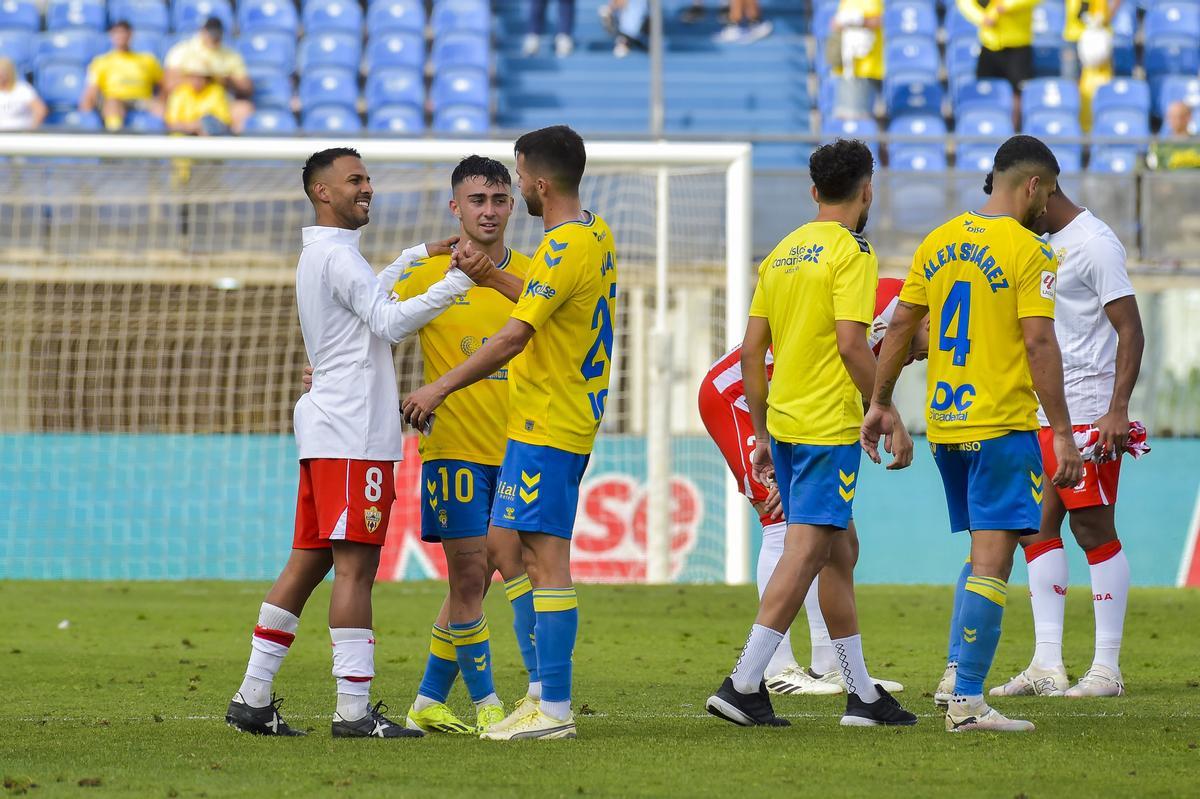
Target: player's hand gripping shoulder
point(883, 421)
point(443, 247)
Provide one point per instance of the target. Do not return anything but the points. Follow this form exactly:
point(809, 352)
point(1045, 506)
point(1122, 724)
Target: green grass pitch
point(129, 700)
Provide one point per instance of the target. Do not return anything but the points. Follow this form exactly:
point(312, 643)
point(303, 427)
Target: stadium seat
point(1172, 18)
point(396, 119)
point(74, 119)
point(975, 157)
point(1122, 94)
point(1070, 158)
point(72, 46)
point(1051, 123)
point(864, 129)
point(20, 15)
point(460, 119)
point(394, 86)
point(189, 15)
point(333, 16)
point(60, 84)
point(396, 16)
point(461, 50)
point(143, 122)
point(930, 125)
point(912, 55)
point(394, 49)
point(961, 57)
point(264, 16)
point(1116, 160)
point(917, 158)
point(149, 16)
point(272, 86)
point(328, 86)
point(917, 205)
point(269, 48)
point(991, 122)
point(1173, 88)
point(62, 15)
point(1048, 21)
point(1171, 54)
point(271, 121)
point(473, 16)
point(1121, 123)
point(1056, 94)
point(909, 17)
point(331, 119)
point(19, 46)
point(330, 50)
point(987, 93)
point(460, 86)
point(912, 93)
point(1124, 28)
point(957, 26)
point(149, 42)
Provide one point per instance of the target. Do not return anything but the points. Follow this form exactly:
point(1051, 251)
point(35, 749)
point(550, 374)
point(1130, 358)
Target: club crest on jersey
point(469, 345)
point(372, 516)
point(536, 288)
point(443, 518)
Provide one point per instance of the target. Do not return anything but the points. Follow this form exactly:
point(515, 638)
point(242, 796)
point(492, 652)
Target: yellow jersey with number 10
point(559, 385)
point(470, 424)
point(979, 276)
point(820, 274)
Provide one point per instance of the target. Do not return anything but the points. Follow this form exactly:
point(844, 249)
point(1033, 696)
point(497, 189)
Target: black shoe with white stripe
point(258, 720)
point(745, 710)
point(883, 712)
point(372, 725)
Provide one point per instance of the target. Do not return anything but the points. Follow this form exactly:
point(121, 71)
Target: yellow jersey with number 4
point(979, 276)
point(470, 423)
point(820, 274)
point(559, 384)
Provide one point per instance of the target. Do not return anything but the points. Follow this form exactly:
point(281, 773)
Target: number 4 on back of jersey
point(956, 311)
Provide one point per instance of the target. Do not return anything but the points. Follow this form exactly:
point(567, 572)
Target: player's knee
point(1091, 533)
point(468, 578)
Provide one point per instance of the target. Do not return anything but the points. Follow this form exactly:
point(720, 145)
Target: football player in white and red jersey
point(726, 416)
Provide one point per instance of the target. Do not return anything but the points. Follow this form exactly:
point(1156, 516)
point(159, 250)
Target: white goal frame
point(732, 158)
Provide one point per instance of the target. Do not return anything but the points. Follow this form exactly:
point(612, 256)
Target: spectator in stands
point(122, 80)
point(201, 75)
point(626, 21)
point(746, 24)
point(1176, 148)
point(1178, 121)
point(858, 58)
point(20, 106)
point(696, 12)
point(564, 43)
point(1089, 27)
point(1006, 40)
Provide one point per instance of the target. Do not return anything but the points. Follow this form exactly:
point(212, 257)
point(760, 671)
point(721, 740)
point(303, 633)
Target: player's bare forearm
point(754, 372)
point(856, 354)
point(1045, 367)
point(506, 283)
point(497, 351)
point(894, 350)
point(1131, 341)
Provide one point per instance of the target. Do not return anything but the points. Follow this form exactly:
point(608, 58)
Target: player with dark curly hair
point(814, 303)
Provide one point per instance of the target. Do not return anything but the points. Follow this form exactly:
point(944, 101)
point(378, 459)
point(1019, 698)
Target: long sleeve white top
point(349, 323)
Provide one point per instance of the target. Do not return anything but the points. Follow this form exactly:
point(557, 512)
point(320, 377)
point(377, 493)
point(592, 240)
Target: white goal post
point(662, 320)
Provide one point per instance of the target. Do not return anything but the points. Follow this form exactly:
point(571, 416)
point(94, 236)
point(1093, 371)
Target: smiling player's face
point(348, 190)
point(483, 209)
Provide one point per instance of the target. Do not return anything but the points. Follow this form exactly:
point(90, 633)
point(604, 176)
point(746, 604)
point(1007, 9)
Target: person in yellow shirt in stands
point(859, 35)
point(1006, 39)
point(1089, 27)
point(121, 80)
point(201, 75)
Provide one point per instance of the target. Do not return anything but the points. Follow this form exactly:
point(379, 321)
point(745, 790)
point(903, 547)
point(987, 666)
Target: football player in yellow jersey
point(559, 341)
point(988, 283)
point(122, 79)
point(814, 303)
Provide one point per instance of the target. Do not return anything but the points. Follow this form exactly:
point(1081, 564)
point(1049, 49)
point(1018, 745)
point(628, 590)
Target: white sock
point(422, 702)
point(1048, 595)
point(760, 645)
point(768, 558)
point(783, 658)
point(854, 668)
point(490, 699)
point(1110, 595)
point(354, 668)
point(273, 636)
point(556, 710)
point(535, 689)
point(824, 659)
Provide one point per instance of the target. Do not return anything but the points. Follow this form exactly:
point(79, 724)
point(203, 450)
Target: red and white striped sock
point(1047, 564)
point(353, 668)
point(1110, 595)
point(272, 638)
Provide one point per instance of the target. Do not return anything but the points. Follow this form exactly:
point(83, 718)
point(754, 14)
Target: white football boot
point(963, 715)
point(1098, 681)
point(795, 680)
point(945, 687)
point(1035, 681)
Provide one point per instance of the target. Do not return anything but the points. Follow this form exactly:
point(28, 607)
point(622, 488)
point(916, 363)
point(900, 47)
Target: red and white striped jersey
point(726, 374)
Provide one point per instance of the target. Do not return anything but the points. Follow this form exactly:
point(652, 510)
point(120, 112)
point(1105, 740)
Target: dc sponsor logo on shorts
point(529, 486)
point(372, 516)
point(951, 403)
point(846, 488)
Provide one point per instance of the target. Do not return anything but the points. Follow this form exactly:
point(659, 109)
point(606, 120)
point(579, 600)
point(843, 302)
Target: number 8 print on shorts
point(343, 500)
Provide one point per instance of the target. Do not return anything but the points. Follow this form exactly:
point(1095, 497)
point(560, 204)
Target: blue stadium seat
point(394, 49)
point(911, 55)
point(271, 121)
point(918, 205)
point(149, 42)
point(909, 17)
point(991, 122)
point(396, 16)
point(461, 50)
point(1171, 54)
point(962, 55)
point(1124, 123)
point(975, 157)
point(460, 86)
point(330, 50)
point(272, 86)
point(987, 93)
point(1172, 18)
point(912, 93)
point(20, 15)
point(1048, 21)
point(72, 46)
point(331, 119)
point(1116, 160)
point(1056, 94)
point(74, 119)
point(269, 48)
point(261, 16)
point(64, 15)
point(149, 16)
point(826, 92)
point(394, 86)
point(822, 24)
point(957, 26)
point(1124, 28)
point(1173, 88)
point(930, 125)
point(60, 84)
point(1069, 157)
point(396, 119)
point(330, 16)
point(144, 122)
point(917, 158)
point(864, 129)
point(189, 15)
point(474, 16)
point(1050, 123)
point(460, 119)
point(1123, 94)
point(19, 46)
point(328, 86)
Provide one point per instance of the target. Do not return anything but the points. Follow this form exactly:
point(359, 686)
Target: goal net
point(150, 353)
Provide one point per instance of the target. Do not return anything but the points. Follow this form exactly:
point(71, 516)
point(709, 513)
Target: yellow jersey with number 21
point(558, 386)
point(979, 276)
